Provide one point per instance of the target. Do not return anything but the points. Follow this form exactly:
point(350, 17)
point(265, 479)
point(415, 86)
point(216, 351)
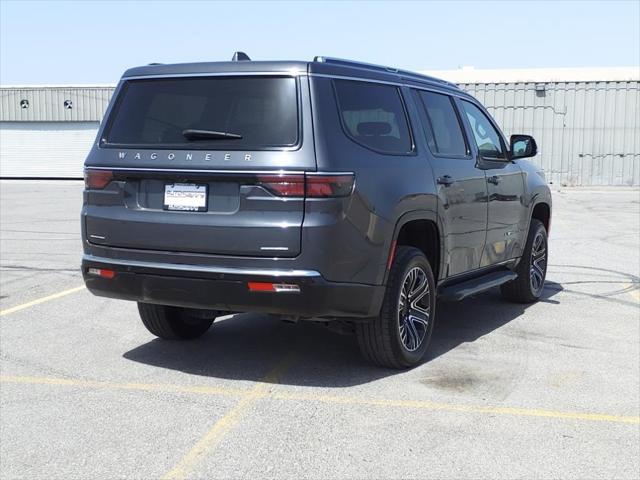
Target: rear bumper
point(223, 288)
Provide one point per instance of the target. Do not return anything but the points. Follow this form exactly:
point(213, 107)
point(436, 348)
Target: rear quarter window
point(373, 115)
point(156, 112)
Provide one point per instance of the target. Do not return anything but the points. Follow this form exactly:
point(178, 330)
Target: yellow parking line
point(260, 391)
point(38, 301)
point(214, 436)
point(147, 387)
point(633, 290)
point(452, 407)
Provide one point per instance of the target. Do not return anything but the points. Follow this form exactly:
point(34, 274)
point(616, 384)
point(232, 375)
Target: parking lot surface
point(511, 391)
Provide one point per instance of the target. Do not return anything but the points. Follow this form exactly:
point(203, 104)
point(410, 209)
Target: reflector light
point(97, 179)
point(260, 287)
point(101, 272)
point(392, 254)
point(273, 287)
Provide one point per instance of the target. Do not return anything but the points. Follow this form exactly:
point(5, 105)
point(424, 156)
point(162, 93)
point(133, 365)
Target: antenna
point(240, 57)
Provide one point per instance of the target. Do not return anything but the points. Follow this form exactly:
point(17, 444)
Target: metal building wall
point(47, 104)
point(588, 133)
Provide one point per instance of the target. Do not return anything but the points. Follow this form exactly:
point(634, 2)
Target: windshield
point(248, 113)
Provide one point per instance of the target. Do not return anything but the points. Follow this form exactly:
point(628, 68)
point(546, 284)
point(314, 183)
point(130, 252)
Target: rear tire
point(400, 335)
point(174, 323)
point(532, 269)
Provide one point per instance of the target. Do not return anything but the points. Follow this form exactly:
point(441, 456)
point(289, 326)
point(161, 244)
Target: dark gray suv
point(328, 190)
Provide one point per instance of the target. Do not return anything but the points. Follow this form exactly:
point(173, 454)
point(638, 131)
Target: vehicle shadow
point(248, 346)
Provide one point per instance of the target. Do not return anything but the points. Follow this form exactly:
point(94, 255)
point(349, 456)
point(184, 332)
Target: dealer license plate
point(187, 197)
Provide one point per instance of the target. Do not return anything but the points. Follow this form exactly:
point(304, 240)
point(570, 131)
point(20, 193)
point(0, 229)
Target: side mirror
point(522, 146)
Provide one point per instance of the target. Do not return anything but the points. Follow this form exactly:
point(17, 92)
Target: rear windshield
point(258, 112)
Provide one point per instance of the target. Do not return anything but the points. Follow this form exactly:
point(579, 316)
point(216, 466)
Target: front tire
point(174, 323)
point(400, 335)
point(532, 269)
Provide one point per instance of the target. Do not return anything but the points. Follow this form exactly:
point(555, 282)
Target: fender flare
point(537, 199)
point(430, 215)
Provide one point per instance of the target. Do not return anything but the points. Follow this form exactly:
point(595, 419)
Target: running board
point(462, 290)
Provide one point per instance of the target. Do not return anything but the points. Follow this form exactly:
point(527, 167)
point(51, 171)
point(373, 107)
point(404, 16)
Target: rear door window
point(258, 112)
point(373, 115)
point(443, 129)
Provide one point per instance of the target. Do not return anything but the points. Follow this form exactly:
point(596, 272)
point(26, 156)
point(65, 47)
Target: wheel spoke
point(415, 302)
point(415, 339)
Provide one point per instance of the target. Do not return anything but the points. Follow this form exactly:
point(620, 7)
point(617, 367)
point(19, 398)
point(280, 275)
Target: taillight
point(283, 185)
point(330, 185)
point(312, 186)
point(97, 179)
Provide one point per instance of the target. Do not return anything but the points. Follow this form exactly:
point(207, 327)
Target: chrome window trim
point(266, 272)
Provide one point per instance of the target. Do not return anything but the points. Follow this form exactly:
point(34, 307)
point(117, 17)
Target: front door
point(507, 218)
point(462, 187)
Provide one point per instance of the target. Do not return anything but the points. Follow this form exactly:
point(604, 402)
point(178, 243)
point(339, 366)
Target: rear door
point(211, 165)
point(462, 189)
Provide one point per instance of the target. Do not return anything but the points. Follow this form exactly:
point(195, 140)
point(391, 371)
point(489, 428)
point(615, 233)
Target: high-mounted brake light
point(97, 179)
point(326, 185)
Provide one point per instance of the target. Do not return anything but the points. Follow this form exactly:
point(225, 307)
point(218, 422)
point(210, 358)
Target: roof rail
point(353, 63)
point(381, 68)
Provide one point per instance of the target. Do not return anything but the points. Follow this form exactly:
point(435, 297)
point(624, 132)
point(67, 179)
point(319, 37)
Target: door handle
point(445, 180)
point(494, 179)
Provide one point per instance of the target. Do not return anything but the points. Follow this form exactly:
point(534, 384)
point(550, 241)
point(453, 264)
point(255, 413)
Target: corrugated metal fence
point(588, 133)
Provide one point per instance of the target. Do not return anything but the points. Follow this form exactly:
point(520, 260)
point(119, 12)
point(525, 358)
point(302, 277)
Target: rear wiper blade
point(193, 134)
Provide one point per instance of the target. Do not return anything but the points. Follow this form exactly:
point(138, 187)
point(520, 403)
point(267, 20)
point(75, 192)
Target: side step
point(458, 291)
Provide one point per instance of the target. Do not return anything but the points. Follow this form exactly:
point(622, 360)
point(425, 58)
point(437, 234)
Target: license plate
point(187, 197)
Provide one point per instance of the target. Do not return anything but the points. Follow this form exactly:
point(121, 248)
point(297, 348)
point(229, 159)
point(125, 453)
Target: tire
point(175, 323)
point(388, 339)
point(532, 269)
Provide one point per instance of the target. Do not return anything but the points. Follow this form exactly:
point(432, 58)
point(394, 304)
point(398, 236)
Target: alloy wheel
point(414, 309)
point(538, 262)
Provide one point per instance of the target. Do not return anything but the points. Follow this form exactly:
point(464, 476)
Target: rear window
point(373, 115)
point(263, 111)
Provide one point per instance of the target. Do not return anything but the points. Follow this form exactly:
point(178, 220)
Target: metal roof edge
point(538, 75)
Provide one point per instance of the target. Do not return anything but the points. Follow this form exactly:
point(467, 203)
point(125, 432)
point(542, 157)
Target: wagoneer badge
point(184, 156)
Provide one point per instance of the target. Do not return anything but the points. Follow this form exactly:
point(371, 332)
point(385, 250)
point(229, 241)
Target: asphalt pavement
point(549, 390)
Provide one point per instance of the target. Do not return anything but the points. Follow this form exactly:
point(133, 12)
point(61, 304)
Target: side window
point(373, 116)
point(487, 138)
point(444, 133)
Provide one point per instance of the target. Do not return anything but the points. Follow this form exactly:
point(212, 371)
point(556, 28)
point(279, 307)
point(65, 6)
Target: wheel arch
point(420, 229)
point(542, 211)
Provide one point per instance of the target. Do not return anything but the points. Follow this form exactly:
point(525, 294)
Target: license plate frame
point(186, 197)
